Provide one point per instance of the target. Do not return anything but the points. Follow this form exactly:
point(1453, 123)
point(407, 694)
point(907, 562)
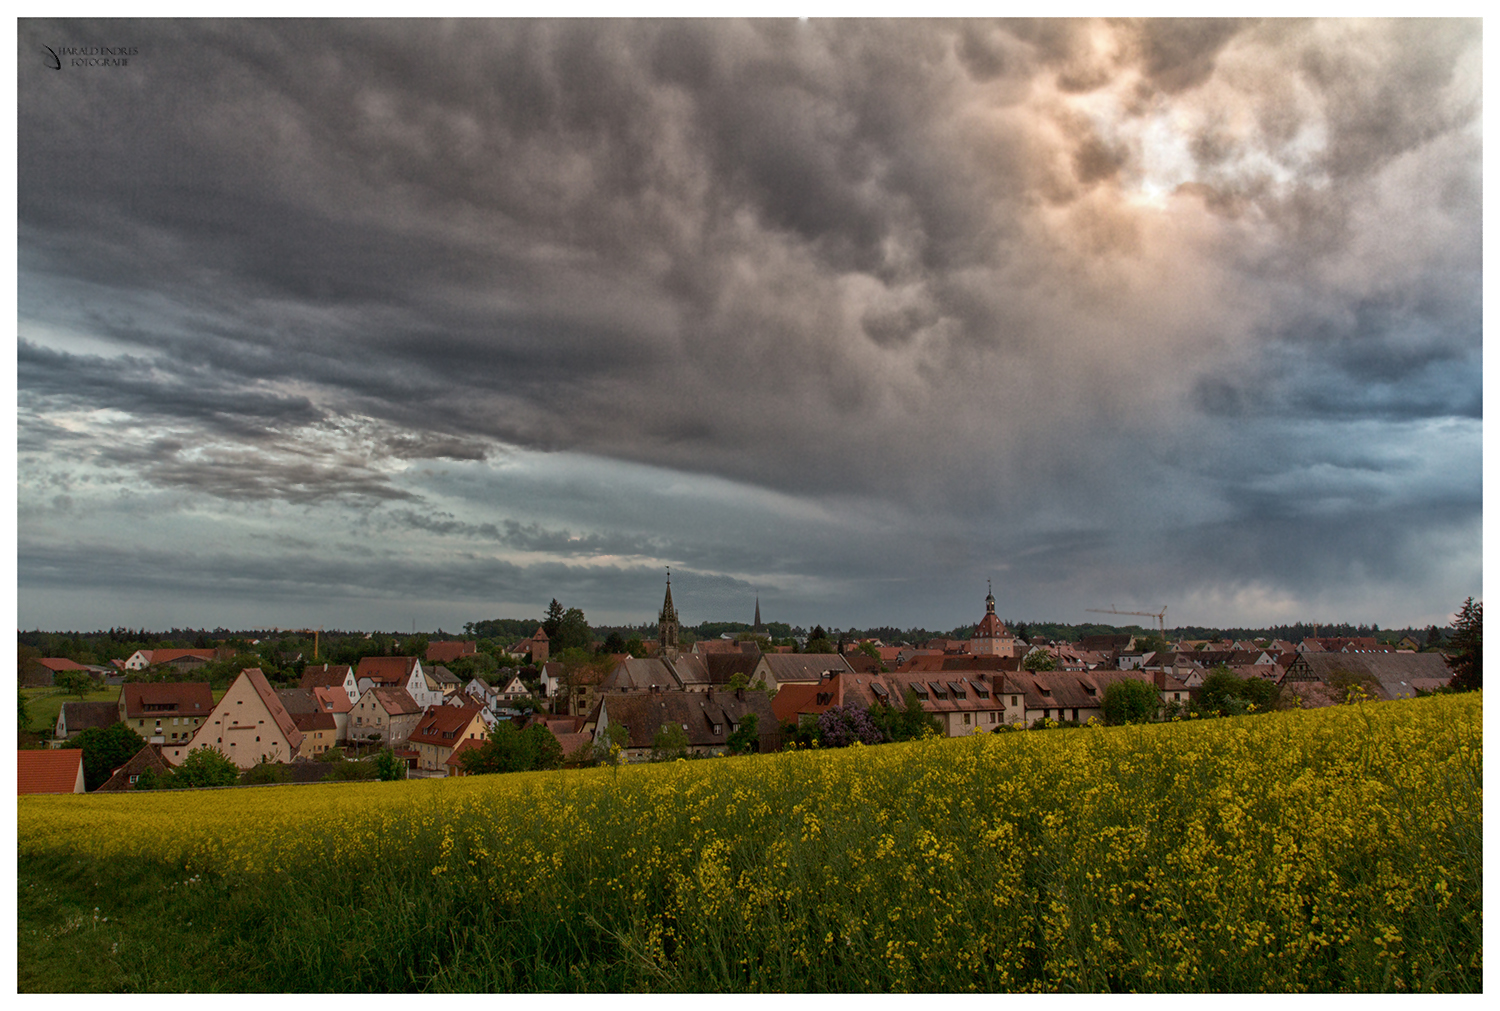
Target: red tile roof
point(444, 652)
point(168, 655)
point(466, 745)
point(57, 663)
point(395, 701)
point(333, 700)
point(190, 698)
point(390, 670)
point(273, 704)
point(438, 721)
point(323, 676)
point(55, 770)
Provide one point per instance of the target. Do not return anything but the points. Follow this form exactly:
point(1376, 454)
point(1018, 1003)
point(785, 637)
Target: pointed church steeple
point(666, 622)
point(758, 627)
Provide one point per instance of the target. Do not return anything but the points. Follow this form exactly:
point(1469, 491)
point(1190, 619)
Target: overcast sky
point(389, 324)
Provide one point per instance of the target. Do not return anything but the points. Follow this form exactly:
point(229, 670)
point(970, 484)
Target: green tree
point(105, 749)
point(1467, 659)
point(265, 772)
point(1130, 700)
point(818, 641)
point(739, 681)
point(74, 682)
point(635, 647)
point(414, 645)
point(1039, 659)
point(907, 723)
point(388, 767)
point(613, 643)
point(512, 750)
point(573, 632)
point(1221, 692)
point(205, 767)
point(1151, 643)
point(25, 713)
point(552, 623)
point(746, 737)
point(669, 742)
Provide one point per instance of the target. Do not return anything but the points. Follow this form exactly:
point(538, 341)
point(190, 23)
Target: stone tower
point(666, 623)
point(991, 637)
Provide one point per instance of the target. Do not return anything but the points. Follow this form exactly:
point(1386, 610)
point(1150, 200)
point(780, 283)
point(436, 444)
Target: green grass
point(43, 704)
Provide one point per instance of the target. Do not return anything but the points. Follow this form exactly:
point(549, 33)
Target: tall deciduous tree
point(105, 749)
point(1130, 700)
point(74, 682)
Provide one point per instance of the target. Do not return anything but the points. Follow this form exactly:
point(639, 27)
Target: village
point(708, 698)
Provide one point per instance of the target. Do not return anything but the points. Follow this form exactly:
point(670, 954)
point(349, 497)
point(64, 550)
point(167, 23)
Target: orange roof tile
point(55, 770)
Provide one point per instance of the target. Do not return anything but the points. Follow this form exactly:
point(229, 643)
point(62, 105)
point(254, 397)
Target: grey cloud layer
point(908, 262)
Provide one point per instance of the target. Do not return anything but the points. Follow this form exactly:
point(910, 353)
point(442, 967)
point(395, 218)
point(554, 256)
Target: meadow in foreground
point(1336, 849)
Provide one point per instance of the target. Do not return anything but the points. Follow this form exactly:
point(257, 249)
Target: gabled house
point(440, 730)
point(335, 703)
point(454, 762)
point(40, 671)
point(387, 715)
point(777, 669)
point(50, 770)
point(536, 647)
point(319, 728)
point(248, 725)
point(75, 717)
point(511, 689)
point(723, 667)
point(403, 672)
point(549, 678)
point(339, 676)
point(707, 719)
point(964, 702)
point(126, 776)
point(442, 680)
point(167, 713)
point(480, 691)
point(182, 659)
point(1391, 675)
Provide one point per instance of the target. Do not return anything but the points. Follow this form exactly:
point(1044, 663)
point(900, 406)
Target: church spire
point(758, 627)
point(666, 622)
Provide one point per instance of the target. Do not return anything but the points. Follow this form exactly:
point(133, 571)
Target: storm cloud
point(851, 314)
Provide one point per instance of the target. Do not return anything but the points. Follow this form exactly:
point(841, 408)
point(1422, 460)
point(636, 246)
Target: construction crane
point(1161, 618)
point(315, 632)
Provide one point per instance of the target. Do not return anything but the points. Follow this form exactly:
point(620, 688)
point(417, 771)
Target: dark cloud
point(955, 269)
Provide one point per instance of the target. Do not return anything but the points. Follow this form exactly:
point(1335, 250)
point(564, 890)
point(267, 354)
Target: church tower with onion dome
point(991, 638)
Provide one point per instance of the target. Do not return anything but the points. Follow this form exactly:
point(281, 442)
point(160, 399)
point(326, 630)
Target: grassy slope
point(1330, 850)
point(43, 704)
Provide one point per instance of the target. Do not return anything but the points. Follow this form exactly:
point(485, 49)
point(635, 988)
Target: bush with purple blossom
point(841, 726)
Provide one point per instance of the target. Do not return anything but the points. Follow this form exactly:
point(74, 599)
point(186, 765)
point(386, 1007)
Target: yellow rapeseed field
point(1330, 849)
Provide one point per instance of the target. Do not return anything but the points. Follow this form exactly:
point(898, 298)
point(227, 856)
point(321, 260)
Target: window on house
point(966, 719)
